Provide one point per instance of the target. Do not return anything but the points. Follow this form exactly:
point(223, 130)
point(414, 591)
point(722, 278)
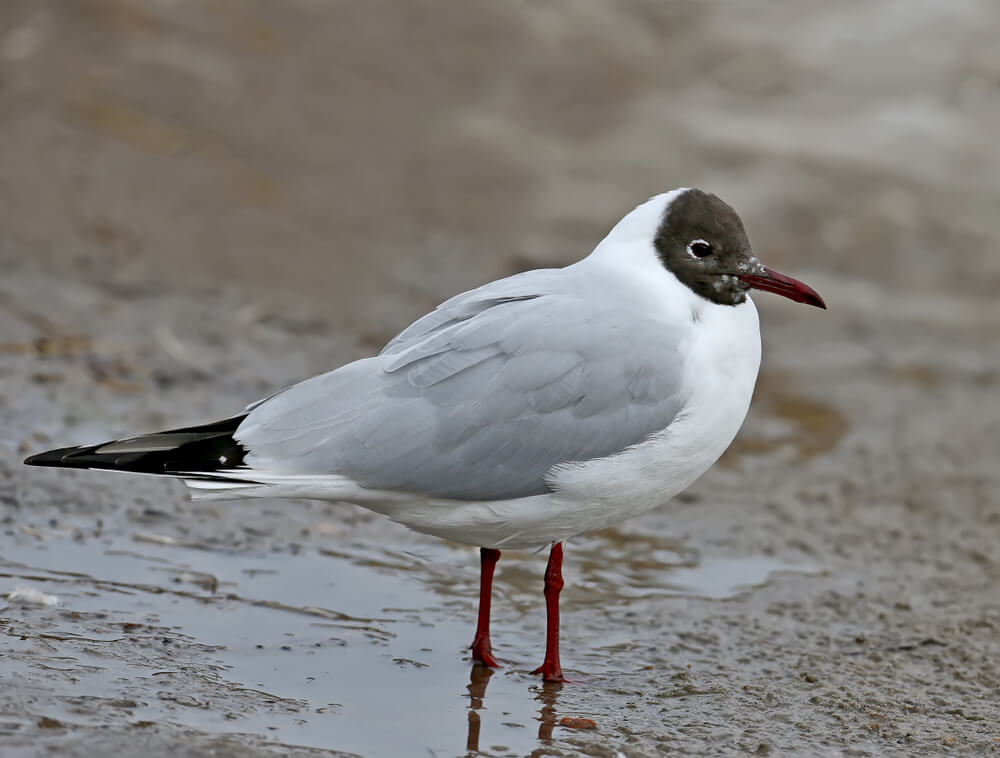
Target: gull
point(517, 415)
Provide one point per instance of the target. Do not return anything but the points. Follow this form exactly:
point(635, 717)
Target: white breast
point(720, 368)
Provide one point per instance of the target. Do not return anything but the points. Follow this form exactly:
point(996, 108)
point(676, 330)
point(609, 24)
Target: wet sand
point(201, 208)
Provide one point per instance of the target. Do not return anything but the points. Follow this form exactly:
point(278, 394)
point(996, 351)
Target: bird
point(517, 415)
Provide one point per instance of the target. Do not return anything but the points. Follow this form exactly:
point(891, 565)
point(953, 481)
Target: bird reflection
point(548, 695)
point(478, 680)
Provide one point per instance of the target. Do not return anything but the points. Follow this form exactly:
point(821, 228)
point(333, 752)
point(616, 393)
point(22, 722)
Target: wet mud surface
point(191, 222)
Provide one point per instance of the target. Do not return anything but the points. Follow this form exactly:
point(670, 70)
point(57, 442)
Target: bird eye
point(700, 249)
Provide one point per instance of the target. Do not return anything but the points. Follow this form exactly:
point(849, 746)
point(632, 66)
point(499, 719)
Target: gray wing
point(479, 399)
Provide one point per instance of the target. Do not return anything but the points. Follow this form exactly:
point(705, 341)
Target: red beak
point(785, 286)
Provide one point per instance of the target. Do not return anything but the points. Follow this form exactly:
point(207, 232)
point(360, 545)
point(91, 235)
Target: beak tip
point(786, 286)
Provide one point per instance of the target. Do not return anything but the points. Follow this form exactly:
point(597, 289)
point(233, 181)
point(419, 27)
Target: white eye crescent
point(700, 249)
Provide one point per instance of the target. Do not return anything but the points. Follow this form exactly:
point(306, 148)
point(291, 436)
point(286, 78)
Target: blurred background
point(408, 150)
point(201, 202)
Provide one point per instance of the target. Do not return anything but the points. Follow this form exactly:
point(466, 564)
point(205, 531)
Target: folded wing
point(480, 398)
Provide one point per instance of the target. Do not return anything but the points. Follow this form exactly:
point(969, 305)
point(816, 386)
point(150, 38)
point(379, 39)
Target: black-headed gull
point(519, 414)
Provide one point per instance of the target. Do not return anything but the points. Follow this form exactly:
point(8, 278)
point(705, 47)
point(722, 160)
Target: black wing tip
point(60, 457)
point(211, 445)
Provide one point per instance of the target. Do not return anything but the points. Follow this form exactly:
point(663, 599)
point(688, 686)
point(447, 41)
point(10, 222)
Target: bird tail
point(197, 452)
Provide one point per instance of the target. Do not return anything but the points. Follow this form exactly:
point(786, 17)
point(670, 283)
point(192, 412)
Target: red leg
point(482, 649)
point(550, 669)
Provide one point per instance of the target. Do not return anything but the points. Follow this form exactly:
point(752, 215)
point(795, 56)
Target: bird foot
point(551, 673)
point(482, 652)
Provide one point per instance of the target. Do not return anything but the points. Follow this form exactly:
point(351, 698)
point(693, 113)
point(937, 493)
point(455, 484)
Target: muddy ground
point(200, 203)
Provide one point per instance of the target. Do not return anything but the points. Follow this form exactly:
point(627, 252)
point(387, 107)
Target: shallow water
point(357, 648)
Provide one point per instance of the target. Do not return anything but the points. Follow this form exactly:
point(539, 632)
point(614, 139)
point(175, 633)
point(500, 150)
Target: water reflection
point(548, 696)
point(478, 679)
point(243, 632)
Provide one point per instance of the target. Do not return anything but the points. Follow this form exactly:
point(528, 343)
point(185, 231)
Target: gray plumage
point(479, 399)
